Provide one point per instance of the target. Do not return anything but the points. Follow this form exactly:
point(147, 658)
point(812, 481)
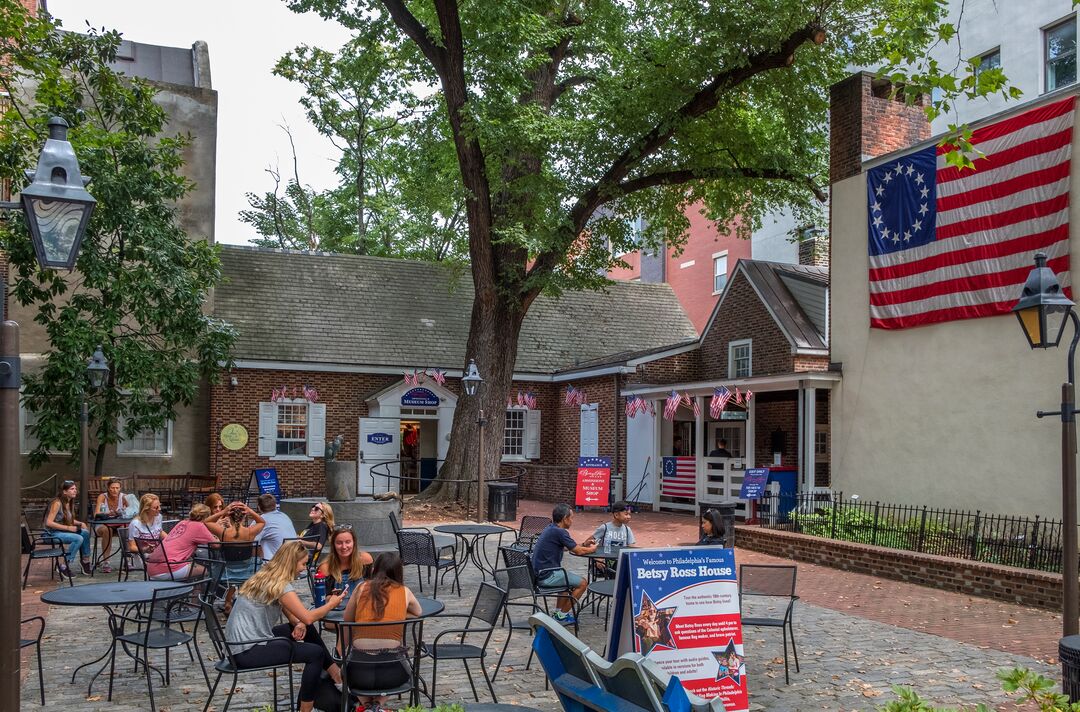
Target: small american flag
point(697, 408)
point(631, 406)
point(438, 376)
point(530, 401)
point(738, 396)
point(679, 477)
point(747, 396)
point(571, 395)
point(672, 405)
point(947, 243)
point(719, 401)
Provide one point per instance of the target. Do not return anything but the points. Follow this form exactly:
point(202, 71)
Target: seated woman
point(146, 526)
point(173, 559)
point(344, 566)
point(242, 524)
point(112, 504)
point(322, 524)
point(215, 502)
point(712, 529)
point(262, 600)
point(61, 523)
point(383, 597)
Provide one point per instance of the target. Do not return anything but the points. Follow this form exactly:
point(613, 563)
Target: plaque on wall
point(234, 436)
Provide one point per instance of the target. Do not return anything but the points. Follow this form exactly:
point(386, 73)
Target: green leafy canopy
point(140, 285)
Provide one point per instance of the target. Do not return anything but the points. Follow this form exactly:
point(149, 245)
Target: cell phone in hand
point(337, 592)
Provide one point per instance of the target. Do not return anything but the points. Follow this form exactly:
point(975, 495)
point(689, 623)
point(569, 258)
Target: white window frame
point(507, 430)
point(1046, 52)
point(315, 430)
point(307, 429)
point(124, 448)
point(732, 369)
point(821, 443)
point(716, 263)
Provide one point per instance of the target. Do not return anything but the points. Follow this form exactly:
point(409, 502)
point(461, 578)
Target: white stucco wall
point(942, 415)
point(1016, 26)
point(772, 241)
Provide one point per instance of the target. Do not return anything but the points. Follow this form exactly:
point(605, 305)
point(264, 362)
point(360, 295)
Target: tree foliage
point(140, 284)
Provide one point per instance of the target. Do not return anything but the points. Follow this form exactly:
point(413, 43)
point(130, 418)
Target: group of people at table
point(369, 590)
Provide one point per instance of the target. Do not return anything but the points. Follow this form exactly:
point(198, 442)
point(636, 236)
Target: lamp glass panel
point(98, 376)
point(1030, 320)
point(1056, 316)
point(58, 224)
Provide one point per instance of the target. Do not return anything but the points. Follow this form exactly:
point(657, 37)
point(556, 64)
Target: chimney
point(865, 123)
point(814, 247)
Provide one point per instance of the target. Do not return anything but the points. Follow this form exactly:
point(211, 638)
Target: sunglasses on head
point(67, 483)
point(343, 528)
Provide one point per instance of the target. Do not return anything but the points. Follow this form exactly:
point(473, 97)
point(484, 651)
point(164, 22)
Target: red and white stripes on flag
point(679, 477)
point(672, 405)
point(946, 243)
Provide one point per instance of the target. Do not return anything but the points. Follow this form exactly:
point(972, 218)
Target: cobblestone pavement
point(848, 662)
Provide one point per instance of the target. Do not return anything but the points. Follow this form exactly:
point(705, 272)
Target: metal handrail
point(382, 469)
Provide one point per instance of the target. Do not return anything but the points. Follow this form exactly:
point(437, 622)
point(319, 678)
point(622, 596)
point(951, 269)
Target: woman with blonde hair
point(262, 600)
point(322, 524)
point(146, 526)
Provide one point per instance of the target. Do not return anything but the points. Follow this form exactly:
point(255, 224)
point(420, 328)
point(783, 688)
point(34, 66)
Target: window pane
point(719, 273)
point(514, 433)
point(291, 429)
point(991, 60)
point(1061, 55)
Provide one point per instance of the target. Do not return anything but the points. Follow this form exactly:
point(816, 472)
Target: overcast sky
point(246, 38)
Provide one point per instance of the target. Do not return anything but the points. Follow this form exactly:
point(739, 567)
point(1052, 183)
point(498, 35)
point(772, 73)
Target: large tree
point(569, 118)
point(140, 284)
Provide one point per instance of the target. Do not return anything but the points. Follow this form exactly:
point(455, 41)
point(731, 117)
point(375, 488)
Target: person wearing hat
point(616, 532)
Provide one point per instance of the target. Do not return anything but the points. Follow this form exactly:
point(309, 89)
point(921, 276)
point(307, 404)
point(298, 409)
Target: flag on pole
point(947, 243)
point(571, 394)
point(748, 395)
point(719, 401)
point(672, 405)
point(738, 396)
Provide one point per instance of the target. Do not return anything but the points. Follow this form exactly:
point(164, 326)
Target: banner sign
point(593, 482)
point(753, 484)
point(680, 609)
point(420, 397)
point(379, 438)
point(265, 481)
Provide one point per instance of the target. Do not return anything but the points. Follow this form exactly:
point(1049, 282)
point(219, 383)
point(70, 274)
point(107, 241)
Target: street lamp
point(471, 383)
point(57, 209)
point(1042, 311)
point(97, 372)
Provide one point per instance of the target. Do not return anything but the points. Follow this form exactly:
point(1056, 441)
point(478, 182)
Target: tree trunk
point(493, 343)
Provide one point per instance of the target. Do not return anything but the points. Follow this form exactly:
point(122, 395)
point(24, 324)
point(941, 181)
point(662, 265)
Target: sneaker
point(565, 618)
point(84, 568)
point(63, 570)
point(106, 569)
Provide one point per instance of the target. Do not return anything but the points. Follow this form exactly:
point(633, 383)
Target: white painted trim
point(783, 382)
point(688, 263)
point(603, 371)
point(249, 364)
point(731, 346)
point(721, 253)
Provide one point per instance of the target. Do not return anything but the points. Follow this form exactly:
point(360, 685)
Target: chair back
point(232, 552)
point(488, 604)
point(34, 516)
point(347, 632)
point(168, 524)
point(417, 548)
point(530, 529)
point(395, 523)
point(515, 580)
point(767, 580)
point(215, 632)
point(518, 559)
point(144, 546)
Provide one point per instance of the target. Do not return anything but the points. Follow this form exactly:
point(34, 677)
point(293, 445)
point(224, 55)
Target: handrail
point(382, 469)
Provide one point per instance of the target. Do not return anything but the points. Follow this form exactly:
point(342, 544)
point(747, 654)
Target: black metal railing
point(1025, 542)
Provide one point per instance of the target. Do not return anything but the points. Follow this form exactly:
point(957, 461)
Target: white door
point(641, 464)
point(380, 445)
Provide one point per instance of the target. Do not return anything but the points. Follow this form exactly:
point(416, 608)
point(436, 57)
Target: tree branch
point(678, 177)
point(570, 82)
point(417, 33)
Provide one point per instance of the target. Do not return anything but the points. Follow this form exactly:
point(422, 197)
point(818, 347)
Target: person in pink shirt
point(180, 544)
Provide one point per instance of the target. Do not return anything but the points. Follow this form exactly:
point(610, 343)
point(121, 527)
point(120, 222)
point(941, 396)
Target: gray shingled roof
point(348, 309)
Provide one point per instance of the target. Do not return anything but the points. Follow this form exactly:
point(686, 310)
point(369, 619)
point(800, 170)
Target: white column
point(809, 428)
point(700, 448)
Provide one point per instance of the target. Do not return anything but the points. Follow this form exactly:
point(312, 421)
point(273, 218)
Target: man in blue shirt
point(547, 560)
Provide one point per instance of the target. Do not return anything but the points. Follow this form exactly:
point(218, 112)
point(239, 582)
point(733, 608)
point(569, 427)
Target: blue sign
point(753, 484)
point(380, 438)
point(267, 481)
point(420, 397)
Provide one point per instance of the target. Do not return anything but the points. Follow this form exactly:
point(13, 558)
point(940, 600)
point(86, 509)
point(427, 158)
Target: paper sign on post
point(593, 481)
point(680, 609)
point(753, 484)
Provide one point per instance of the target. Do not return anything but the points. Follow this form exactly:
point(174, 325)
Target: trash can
point(727, 516)
point(1069, 655)
point(502, 501)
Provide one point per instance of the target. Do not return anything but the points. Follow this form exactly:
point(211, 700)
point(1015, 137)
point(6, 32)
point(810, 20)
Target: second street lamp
point(97, 372)
point(471, 383)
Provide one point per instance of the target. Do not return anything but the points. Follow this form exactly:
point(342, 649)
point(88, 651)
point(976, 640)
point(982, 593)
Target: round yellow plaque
point(234, 436)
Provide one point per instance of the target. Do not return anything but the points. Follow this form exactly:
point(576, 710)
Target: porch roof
point(758, 384)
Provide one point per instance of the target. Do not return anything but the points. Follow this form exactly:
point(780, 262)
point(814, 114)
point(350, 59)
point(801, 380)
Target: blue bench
point(584, 681)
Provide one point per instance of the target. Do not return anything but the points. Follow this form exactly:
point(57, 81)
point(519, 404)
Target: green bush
point(1031, 686)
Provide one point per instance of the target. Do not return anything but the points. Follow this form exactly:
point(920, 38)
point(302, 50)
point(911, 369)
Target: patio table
point(108, 596)
point(472, 536)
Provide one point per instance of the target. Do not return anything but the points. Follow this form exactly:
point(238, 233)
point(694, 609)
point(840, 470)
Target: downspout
point(622, 479)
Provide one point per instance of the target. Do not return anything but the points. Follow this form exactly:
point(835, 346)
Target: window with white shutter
point(521, 434)
point(292, 428)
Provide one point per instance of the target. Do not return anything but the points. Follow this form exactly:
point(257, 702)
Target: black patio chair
point(226, 664)
point(350, 660)
point(241, 560)
point(517, 583)
point(36, 642)
point(442, 541)
point(153, 631)
point(514, 558)
point(771, 581)
point(129, 560)
point(40, 544)
point(168, 524)
point(417, 548)
point(486, 611)
point(529, 531)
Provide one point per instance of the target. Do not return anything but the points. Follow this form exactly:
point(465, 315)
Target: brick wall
point(743, 316)
point(680, 368)
point(1023, 586)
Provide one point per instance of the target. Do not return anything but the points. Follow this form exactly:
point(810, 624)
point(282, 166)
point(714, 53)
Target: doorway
point(419, 453)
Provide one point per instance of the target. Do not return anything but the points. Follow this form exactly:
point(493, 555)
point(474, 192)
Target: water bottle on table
point(318, 589)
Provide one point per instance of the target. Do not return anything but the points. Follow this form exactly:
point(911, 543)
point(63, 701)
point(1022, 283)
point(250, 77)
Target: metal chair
point(442, 541)
point(514, 558)
point(237, 555)
point(226, 664)
point(40, 544)
point(128, 558)
point(486, 610)
point(529, 531)
point(518, 584)
point(36, 642)
point(417, 548)
point(154, 631)
point(774, 582)
point(349, 661)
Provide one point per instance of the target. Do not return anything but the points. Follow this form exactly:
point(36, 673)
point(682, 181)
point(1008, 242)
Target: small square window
point(1060, 50)
point(989, 60)
point(719, 273)
point(291, 429)
point(739, 359)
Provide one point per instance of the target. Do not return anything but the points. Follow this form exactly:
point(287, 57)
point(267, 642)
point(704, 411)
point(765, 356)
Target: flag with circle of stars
point(902, 202)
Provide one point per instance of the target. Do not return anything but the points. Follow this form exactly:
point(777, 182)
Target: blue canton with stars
point(902, 202)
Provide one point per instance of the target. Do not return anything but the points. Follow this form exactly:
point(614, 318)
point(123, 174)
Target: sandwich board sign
point(265, 481)
point(679, 607)
point(593, 482)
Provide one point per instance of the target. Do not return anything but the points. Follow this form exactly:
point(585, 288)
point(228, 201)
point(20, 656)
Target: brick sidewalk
point(993, 625)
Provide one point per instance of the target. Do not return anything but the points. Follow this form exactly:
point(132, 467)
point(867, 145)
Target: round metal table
point(471, 536)
point(109, 596)
point(601, 554)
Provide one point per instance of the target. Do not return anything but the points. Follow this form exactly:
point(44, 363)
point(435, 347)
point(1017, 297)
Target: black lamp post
point(471, 383)
point(97, 372)
point(57, 209)
point(1042, 311)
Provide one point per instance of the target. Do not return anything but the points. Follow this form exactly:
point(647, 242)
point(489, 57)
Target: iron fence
point(1032, 543)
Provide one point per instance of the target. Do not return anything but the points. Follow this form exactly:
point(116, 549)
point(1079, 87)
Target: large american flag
point(679, 477)
point(948, 244)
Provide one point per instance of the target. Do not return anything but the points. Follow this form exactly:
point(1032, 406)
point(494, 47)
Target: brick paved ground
point(857, 636)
